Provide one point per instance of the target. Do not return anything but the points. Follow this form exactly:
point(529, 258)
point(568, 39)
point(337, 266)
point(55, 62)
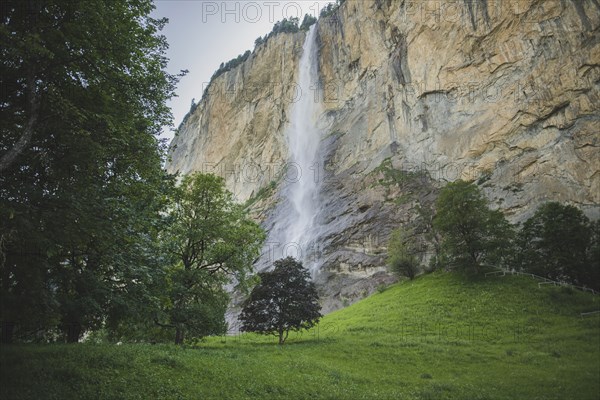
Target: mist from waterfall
point(294, 224)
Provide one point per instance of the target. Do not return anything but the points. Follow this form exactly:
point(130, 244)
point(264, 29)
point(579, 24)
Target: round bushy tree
point(285, 300)
point(472, 234)
point(557, 243)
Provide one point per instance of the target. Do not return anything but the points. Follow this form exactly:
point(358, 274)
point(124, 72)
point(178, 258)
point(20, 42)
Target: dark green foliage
point(84, 93)
point(193, 107)
point(331, 8)
point(285, 26)
point(594, 256)
point(472, 234)
point(560, 243)
point(231, 64)
point(402, 259)
point(285, 300)
point(259, 40)
point(211, 241)
point(194, 303)
point(307, 22)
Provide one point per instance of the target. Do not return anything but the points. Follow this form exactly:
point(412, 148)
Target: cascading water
point(294, 222)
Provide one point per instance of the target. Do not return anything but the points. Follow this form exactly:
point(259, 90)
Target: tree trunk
point(178, 335)
point(8, 328)
point(73, 333)
point(281, 336)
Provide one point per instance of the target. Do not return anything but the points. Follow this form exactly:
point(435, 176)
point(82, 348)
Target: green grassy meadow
point(441, 336)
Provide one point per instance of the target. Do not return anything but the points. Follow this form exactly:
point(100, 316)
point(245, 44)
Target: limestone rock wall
point(502, 91)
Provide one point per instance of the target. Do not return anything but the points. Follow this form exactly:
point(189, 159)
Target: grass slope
point(441, 336)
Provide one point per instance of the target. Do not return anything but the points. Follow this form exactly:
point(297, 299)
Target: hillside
point(441, 336)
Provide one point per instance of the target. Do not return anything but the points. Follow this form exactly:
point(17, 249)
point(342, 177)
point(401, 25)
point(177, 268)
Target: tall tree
point(402, 254)
point(212, 242)
point(285, 300)
point(472, 234)
point(83, 99)
point(558, 242)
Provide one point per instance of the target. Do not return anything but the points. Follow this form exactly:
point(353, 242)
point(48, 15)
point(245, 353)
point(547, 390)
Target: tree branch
point(163, 325)
point(8, 159)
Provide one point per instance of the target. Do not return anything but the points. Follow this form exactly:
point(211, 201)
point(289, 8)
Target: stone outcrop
point(504, 93)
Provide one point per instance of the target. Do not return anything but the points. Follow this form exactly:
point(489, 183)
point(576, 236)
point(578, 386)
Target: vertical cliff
point(505, 93)
point(236, 130)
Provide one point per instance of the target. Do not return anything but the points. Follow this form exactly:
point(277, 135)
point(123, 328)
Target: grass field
point(441, 336)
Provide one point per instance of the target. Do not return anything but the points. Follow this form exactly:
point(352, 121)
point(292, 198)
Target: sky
point(202, 34)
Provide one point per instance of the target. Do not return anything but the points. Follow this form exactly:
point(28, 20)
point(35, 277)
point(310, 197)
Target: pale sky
point(202, 34)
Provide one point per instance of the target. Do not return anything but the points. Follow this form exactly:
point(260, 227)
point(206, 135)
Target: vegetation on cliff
point(558, 242)
point(291, 25)
point(402, 254)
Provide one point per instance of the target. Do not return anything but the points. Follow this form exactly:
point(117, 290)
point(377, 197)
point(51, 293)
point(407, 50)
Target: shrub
point(401, 255)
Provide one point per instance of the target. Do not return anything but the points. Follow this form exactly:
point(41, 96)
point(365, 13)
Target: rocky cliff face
point(505, 93)
point(236, 131)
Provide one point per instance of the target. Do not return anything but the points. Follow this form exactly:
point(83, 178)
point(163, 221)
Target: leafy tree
point(428, 232)
point(285, 26)
point(401, 255)
point(307, 22)
point(593, 276)
point(472, 234)
point(212, 241)
point(331, 8)
point(285, 300)
point(81, 180)
point(558, 242)
point(258, 41)
point(231, 64)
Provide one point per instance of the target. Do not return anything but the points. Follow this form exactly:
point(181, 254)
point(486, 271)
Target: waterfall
point(294, 221)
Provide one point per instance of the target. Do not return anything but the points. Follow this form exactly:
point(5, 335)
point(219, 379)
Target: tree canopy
point(472, 234)
point(212, 241)
point(81, 181)
point(285, 300)
point(559, 242)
